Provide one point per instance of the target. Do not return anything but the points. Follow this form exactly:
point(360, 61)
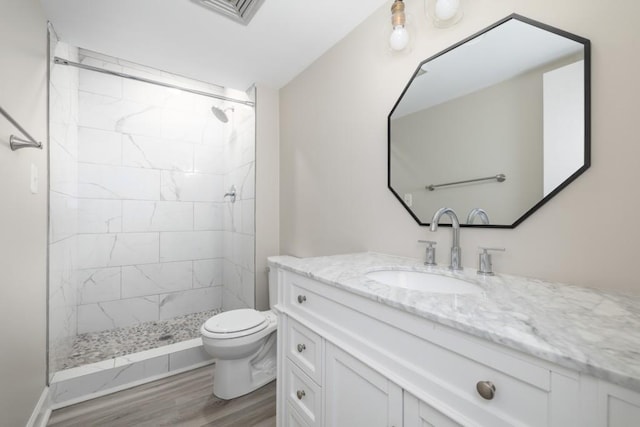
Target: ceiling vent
point(239, 10)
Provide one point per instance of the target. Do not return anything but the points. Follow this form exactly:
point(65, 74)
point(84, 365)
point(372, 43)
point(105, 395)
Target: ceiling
point(183, 37)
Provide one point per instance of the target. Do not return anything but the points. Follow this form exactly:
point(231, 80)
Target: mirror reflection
point(493, 127)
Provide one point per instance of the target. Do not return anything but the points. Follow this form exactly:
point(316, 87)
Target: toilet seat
point(235, 323)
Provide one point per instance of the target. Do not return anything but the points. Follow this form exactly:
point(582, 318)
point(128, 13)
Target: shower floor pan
point(109, 361)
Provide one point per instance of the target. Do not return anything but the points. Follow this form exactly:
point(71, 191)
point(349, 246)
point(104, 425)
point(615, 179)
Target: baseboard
point(42, 411)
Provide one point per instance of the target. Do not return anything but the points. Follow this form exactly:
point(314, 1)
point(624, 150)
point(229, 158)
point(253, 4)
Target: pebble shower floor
point(98, 346)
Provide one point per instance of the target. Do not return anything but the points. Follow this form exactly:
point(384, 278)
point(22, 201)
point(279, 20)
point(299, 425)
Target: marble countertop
point(591, 331)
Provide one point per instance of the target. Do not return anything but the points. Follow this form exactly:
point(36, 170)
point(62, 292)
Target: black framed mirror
point(494, 126)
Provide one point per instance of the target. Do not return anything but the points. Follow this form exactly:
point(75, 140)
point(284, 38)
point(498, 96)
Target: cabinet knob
point(486, 389)
point(301, 348)
point(300, 394)
point(301, 298)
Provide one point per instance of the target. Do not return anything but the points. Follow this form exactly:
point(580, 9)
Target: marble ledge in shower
point(75, 385)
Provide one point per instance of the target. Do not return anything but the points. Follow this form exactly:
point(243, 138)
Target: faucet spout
point(478, 213)
point(456, 257)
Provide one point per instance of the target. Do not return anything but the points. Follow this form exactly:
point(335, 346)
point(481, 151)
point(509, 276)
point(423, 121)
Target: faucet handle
point(485, 267)
point(484, 249)
point(430, 252)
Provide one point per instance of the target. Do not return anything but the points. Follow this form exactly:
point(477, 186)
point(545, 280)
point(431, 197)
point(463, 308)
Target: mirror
point(494, 126)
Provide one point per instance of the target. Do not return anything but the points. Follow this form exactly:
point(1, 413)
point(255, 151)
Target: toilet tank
point(273, 287)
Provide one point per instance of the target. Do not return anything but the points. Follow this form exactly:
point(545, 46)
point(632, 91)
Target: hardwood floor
point(181, 400)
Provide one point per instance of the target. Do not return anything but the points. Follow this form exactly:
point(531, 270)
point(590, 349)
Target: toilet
point(243, 342)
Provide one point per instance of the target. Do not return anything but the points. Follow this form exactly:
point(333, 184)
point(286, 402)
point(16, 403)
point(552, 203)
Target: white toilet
point(243, 342)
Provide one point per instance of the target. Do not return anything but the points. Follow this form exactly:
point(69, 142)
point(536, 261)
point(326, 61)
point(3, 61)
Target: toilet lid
point(235, 321)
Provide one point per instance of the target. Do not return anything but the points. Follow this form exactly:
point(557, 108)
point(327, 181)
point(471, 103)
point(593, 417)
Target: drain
point(165, 337)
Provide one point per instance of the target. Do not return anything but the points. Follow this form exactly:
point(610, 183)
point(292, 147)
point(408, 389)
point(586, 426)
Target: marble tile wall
point(140, 230)
point(153, 166)
point(63, 199)
point(239, 217)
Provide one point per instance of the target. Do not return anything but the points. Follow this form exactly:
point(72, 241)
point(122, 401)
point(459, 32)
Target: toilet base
point(237, 377)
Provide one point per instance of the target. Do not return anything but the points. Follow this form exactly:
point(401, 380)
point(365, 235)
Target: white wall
point(333, 190)
point(563, 123)
point(23, 216)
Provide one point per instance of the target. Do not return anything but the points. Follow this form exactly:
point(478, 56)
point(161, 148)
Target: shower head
point(221, 114)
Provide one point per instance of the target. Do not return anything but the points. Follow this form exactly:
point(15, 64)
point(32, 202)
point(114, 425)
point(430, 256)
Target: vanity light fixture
point(399, 38)
point(443, 13)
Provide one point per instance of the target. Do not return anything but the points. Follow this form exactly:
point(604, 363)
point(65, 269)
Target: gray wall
point(267, 187)
point(23, 217)
point(333, 190)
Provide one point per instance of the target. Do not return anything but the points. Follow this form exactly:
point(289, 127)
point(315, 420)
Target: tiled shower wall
point(63, 201)
point(239, 217)
point(151, 185)
point(154, 236)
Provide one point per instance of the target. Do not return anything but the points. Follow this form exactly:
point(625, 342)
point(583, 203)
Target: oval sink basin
point(425, 282)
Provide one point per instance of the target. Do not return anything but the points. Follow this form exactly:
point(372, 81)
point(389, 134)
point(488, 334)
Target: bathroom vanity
point(353, 351)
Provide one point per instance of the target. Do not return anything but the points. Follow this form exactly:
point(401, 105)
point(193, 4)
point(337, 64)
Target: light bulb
point(399, 38)
point(447, 9)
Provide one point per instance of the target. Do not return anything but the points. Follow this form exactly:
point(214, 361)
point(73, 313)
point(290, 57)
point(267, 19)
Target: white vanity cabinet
point(360, 395)
point(346, 360)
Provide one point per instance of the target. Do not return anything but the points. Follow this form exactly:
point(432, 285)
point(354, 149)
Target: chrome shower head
point(221, 114)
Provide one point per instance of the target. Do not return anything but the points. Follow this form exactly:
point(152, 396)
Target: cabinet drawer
point(497, 398)
point(303, 394)
point(452, 380)
point(304, 347)
point(293, 419)
point(303, 297)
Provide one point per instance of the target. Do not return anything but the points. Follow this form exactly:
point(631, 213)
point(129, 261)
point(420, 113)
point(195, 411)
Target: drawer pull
point(300, 394)
point(301, 299)
point(486, 389)
point(301, 348)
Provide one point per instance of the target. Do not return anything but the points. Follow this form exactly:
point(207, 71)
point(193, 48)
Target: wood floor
point(181, 400)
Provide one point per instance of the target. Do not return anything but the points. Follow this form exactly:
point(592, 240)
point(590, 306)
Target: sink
point(425, 282)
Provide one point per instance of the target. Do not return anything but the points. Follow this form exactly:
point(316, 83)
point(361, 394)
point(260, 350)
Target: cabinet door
point(619, 407)
point(419, 414)
point(356, 395)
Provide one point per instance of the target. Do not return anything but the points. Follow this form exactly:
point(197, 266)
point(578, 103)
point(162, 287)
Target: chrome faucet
point(456, 257)
point(478, 213)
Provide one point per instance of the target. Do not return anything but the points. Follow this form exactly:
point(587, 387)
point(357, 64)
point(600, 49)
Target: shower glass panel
point(143, 244)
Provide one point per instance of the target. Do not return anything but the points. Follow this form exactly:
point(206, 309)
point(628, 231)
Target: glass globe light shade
point(446, 9)
point(399, 38)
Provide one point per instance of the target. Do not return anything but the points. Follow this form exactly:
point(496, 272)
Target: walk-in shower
point(143, 245)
